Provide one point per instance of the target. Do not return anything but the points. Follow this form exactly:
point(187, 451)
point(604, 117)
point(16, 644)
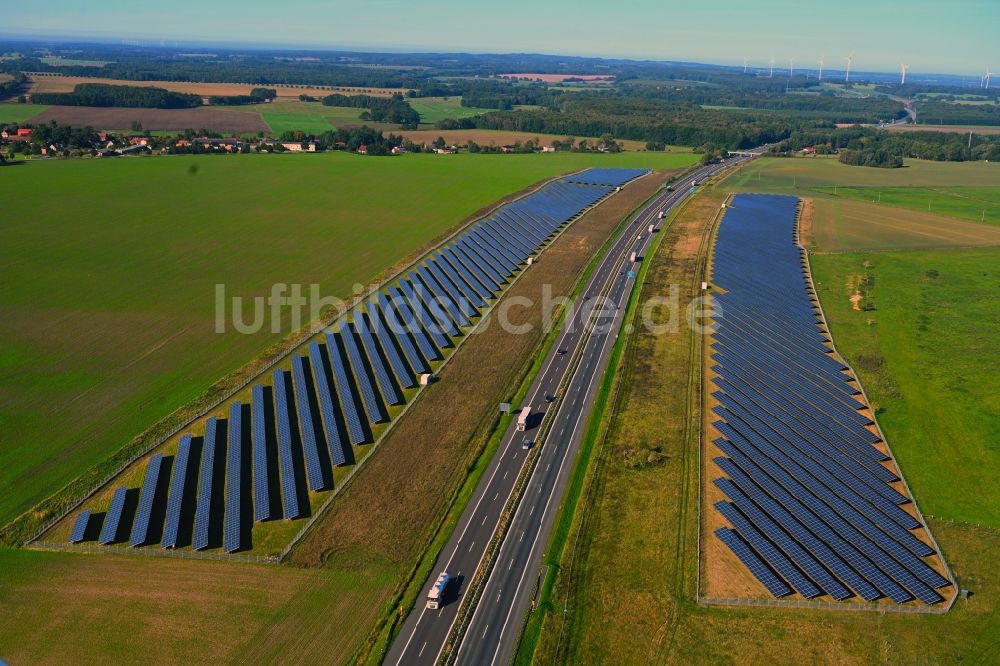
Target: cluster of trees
point(103, 94)
point(256, 96)
point(52, 133)
point(394, 109)
point(871, 157)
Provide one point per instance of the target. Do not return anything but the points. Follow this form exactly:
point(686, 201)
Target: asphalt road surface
point(588, 334)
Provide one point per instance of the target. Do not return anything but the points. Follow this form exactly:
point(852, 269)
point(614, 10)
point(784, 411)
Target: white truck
point(436, 595)
point(522, 418)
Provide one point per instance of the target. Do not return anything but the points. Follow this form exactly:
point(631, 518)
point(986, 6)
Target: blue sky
point(956, 36)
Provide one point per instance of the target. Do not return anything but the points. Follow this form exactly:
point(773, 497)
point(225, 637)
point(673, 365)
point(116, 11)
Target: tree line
point(256, 96)
point(103, 94)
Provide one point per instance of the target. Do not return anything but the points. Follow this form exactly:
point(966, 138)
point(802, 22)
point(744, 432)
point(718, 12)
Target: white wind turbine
point(771, 72)
point(821, 69)
point(745, 60)
point(902, 71)
point(847, 74)
point(985, 82)
point(791, 67)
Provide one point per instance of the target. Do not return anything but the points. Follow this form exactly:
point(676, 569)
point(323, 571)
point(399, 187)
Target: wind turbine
point(745, 64)
point(770, 74)
point(850, 61)
point(985, 82)
point(791, 67)
point(902, 71)
point(821, 69)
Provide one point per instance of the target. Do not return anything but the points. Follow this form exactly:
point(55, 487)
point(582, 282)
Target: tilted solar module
point(444, 296)
point(140, 526)
point(307, 432)
point(387, 325)
point(206, 481)
point(232, 533)
point(397, 304)
point(80, 527)
point(774, 584)
point(432, 311)
point(327, 406)
point(374, 354)
point(366, 385)
point(348, 398)
point(286, 458)
point(175, 497)
point(258, 434)
point(113, 518)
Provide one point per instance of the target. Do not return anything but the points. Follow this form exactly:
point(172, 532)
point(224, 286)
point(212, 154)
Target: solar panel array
point(344, 386)
point(813, 506)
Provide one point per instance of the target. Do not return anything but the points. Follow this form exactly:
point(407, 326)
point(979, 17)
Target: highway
point(584, 350)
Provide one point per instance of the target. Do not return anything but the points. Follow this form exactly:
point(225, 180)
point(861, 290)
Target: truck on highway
point(436, 595)
point(634, 257)
point(522, 418)
point(659, 215)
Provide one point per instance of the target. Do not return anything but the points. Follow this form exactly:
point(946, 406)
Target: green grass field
point(978, 204)
point(433, 109)
point(108, 313)
point(19, 113)
point(928, 356)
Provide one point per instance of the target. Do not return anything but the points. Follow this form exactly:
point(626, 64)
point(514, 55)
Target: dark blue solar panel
point(206, 479)
point(80, 527)
point(761, 572)
point(445, 295)
point(307, 432)
point(348, 398)
point(232, 536)
point(374, 353)
point(175, 498)
point(286, 458)
point(366, 385)
point(388, 325)
point(261, 489)
point(140, 526)
point(327, 406)
point(403, 313)
point(113, 518)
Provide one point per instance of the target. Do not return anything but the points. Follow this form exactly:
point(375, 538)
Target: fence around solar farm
point(865, 550)
point(813, 604)
point(49, 524)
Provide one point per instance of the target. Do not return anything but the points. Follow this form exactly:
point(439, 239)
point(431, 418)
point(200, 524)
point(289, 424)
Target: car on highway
point(560, 351)
point(526, 444)
point(550, 398)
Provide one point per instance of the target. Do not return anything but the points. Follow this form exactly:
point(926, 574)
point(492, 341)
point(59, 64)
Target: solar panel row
point(812, 505)
point(334, 394)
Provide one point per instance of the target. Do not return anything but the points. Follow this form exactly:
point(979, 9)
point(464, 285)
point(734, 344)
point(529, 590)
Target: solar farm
point(801, 488)
point(277, 451)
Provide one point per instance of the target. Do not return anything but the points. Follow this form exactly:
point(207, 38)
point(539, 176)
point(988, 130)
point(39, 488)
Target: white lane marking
point(421, 653)
point(485, 516)
point(485, 630)
point(471, 546)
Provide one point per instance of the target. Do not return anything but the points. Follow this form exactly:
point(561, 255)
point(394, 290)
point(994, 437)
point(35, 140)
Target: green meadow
point(107, 306)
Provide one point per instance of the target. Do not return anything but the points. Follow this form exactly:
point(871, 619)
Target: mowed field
point(108, 300)
point(19, 113)
point(847, 197)
point(925, 355)
point(433, 109)
point(125, 608)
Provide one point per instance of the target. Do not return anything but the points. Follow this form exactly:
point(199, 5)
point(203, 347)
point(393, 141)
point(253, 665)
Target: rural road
point(494, 630)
